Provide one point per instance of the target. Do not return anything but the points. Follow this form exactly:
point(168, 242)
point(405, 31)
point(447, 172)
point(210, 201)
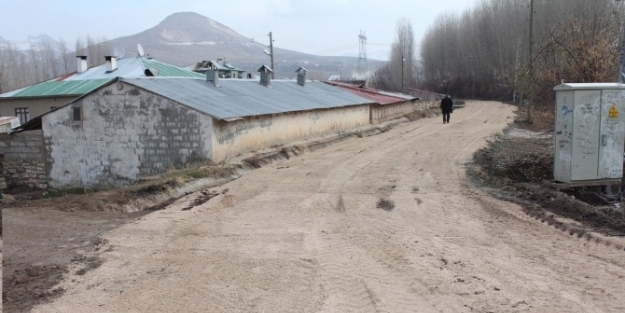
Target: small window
point(52, 108)
point(76, 114)
point(23, 114)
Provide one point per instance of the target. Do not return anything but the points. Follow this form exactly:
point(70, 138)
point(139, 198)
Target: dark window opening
point(77, 114)
point(52, 108)
point(23, 114)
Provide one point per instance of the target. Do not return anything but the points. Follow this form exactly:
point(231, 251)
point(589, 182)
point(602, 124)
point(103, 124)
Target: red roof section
point(62, 78)
point(378, 96)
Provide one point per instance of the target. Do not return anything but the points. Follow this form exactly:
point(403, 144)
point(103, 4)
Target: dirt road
point(386, 223)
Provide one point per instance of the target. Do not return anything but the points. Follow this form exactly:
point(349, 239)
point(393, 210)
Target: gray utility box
point(590, 132)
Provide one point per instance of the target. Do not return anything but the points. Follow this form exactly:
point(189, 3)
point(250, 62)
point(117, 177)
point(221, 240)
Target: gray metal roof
point(585, 86)
point(96, 76)
point(134, 67)
point(234, 98)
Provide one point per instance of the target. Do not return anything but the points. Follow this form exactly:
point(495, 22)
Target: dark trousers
point(446, 116)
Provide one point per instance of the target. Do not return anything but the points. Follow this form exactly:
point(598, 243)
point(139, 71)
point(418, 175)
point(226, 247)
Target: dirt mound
point(514, 167)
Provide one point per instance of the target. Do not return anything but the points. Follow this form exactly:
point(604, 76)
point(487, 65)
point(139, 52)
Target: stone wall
point(122, 133)
point(22, 159)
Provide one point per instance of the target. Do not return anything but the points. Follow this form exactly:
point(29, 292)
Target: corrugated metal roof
point(96, 76)
point(166, 70)
point(240, 98)
point(133, 68)
point(202, 67)
point(59, 88)
point(573, 86)
point(379, 96)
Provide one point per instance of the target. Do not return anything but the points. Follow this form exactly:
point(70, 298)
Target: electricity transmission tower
point(362, 52)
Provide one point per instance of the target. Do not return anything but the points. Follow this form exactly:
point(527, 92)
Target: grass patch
point(66, 192)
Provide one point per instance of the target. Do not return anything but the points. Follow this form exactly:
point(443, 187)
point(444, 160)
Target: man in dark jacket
point(447, 106)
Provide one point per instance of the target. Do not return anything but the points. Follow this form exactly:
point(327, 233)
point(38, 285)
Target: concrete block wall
point(233, 138)
point(384, 113)
point(125, 133)
point(22, 159)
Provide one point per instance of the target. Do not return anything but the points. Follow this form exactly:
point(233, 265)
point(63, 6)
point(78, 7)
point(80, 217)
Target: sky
point(321, 27)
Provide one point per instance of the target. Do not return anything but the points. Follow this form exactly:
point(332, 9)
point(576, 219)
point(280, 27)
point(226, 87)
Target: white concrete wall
point(233, 138)
point(36, 106)
point(383, 113)
point(124, 134)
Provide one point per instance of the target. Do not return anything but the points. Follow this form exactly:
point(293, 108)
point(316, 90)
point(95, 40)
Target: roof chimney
point(111, 63)
point(212, 74)
point(81, 63)
point(301, 76)
point(265, 75)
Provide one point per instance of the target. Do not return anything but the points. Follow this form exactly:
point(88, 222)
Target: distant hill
point(185, 38)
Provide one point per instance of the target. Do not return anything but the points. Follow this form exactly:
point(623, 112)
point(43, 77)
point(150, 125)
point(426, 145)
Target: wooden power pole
point(531, 63)
point(271, 56)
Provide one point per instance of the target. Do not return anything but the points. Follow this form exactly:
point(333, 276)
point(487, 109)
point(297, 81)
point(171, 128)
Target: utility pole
point(271, 56)
point(403, 59)
point(531, 63)
point(621, 67)
point(531, 43)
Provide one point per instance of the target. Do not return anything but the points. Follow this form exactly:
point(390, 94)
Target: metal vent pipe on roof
point(81, 64)
point(301, 76)
point(265, 78)
point(212, 76)
point(265, 75)
point(111, 63)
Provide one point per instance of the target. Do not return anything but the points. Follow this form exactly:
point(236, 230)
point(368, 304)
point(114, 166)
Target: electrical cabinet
point(589, 132)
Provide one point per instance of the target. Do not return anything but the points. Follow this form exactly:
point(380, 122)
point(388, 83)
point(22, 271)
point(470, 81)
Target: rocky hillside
point(186, 38)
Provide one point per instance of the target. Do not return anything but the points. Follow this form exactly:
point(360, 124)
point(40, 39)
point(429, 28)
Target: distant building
point(386, 105)
point(37, 99)
point(7, 123)
point(225, 70)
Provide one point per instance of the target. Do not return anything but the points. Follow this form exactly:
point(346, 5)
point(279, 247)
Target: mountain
point(186, 38)
point(43, 41)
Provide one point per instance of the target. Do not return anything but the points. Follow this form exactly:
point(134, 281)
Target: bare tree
point(484, 52)
point(65, 56)
point(42, 61)
point(399, 72)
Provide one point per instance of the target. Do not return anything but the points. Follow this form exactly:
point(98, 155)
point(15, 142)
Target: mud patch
point(202, 198)
point(90, 263)
point(386, 204)
point(513, 168)
point(340, 205)
point(40, 245)
point(28, 286)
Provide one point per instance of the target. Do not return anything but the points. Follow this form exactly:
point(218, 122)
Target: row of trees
point(20, 67)
point(399, 72)
point(490, 51)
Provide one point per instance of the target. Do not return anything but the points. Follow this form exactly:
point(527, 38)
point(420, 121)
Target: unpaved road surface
point(386, 223)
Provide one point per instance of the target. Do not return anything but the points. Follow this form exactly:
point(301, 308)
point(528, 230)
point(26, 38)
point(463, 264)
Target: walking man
point(447, 106)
